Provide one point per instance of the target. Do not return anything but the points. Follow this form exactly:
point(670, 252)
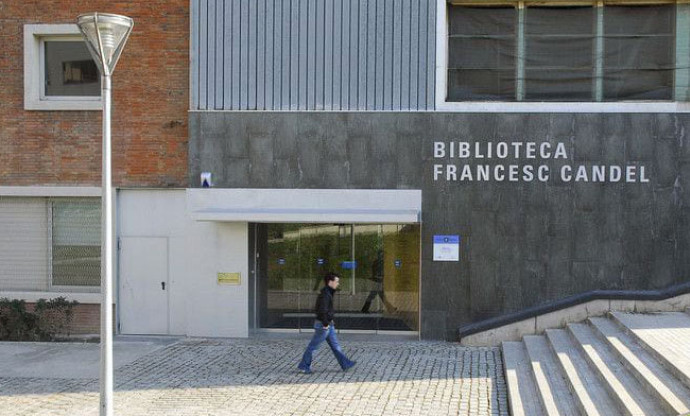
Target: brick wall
point(86, 318)
point(150, 101)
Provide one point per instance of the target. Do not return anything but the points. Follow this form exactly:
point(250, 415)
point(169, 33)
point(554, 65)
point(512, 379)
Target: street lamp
point(106, 35)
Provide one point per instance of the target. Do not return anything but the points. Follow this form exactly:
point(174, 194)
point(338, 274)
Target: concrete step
point(631, 398)
point(590, 393)
point(664, 335)
point(522, 392)
point(552, 389)
point(654, 378)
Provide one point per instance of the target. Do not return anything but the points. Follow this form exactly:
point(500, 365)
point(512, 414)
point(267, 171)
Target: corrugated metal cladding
point(313, 54)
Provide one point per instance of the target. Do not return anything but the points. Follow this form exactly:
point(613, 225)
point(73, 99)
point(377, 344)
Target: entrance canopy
point(379, 206)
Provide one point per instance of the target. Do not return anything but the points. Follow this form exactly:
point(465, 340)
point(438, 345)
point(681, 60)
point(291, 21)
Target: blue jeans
point(321, 335)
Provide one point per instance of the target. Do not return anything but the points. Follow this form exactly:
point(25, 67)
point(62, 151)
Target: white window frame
point(62, 288)
point(35, 36)
point(83, 294)
point(528, 107)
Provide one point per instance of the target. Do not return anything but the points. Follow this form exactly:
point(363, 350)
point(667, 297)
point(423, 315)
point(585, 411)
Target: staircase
point(627, 364)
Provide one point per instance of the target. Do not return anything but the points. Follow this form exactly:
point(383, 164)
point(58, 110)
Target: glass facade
point(378, 267)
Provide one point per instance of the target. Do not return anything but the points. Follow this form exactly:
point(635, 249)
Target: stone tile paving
point(259, 377)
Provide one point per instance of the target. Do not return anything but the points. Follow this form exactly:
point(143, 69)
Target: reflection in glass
point(70, 70)
point(378, 266)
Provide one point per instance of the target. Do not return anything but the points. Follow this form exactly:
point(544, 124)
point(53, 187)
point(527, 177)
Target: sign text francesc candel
point(477, 162)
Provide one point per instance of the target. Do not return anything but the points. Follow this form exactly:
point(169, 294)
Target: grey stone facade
point(524, 243)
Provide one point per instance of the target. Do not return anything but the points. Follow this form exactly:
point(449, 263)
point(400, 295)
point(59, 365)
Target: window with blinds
point(49, 244)
point(559, 52)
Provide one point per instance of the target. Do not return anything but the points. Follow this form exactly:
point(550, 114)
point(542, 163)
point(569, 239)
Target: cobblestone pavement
point(259, 377)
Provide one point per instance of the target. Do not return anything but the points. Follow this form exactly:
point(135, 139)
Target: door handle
point(163, 285)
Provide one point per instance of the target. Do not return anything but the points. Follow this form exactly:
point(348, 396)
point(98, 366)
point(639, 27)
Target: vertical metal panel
point(293, 87)
point(397, 52)
point(313, 54)
point(370, 76)
point(405, 56)
point(252, 56)
point(337, 52)
point(203, 55)
point(261, 51)
point(227, 54)
point(361, 20)
point(244, 53)
point(211, 75)
point(324, 54)
point(380, 7)
point(352, 75)
point(414, 53)
point(388, 55)
point(431, 57)
point(236, 56)
point(268, 63)
point(219, 81)
point(421, 76)
point(286, 41)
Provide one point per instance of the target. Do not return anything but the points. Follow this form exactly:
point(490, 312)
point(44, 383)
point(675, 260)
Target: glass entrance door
point(378, 267)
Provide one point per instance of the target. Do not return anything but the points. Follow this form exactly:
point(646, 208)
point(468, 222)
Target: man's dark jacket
point(324, 306)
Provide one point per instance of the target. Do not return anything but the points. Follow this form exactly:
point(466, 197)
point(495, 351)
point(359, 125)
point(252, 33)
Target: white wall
point(197, 251)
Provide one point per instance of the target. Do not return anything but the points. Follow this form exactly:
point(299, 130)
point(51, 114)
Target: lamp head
point(105, 35)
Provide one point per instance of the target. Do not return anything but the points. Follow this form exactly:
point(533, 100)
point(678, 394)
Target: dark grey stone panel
point(262, 169)
point(587, 143)
point(523, 243)
point(641, 134)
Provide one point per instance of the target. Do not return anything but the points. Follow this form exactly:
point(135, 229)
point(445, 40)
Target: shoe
point(349, 365)
point(304, 370)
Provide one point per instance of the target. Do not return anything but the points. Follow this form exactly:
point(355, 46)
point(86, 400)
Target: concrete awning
point(381, 206)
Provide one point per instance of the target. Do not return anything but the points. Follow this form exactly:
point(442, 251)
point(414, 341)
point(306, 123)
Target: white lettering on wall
point(494, 168)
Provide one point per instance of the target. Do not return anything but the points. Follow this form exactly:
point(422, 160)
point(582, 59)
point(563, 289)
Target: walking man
point(324, 327)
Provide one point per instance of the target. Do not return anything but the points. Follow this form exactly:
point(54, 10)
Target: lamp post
point(106, 35)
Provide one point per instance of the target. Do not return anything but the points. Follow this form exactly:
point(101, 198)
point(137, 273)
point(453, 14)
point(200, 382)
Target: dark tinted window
point(69, 70)
point(481, 53)
point(559, 46)
point(639, 52)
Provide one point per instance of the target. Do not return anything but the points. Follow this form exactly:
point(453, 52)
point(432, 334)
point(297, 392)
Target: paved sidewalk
point(258, 377)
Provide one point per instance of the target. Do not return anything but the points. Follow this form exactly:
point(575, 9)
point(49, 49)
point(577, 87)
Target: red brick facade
point(150, 101)
point(86, 319)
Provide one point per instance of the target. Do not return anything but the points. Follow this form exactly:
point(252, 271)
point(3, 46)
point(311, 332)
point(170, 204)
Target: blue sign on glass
point(349, 265)
point(398, 263)
point(320, 261)
point(281, 261)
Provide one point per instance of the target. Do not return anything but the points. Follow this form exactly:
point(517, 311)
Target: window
point(639, 55)
point(76, 242)
point(559, 54)
point(50, 244)
point(481, 53)
point(543, 52)
point(59, 73)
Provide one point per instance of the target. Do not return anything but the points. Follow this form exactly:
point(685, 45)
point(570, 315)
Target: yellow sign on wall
point(229, 278)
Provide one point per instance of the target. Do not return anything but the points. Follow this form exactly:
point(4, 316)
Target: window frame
point(47, 194)
point(442, 59)
point(35, 36)
point(50, 204)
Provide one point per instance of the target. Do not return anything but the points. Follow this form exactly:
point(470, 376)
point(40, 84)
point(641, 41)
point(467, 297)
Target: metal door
point(144, 285)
